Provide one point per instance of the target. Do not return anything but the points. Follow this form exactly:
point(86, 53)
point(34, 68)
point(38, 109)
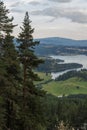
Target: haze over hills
point(60, 46)
point(62, 41)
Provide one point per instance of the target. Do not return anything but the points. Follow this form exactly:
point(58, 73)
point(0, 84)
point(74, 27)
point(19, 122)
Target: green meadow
point(43, 77)
point(63, 88)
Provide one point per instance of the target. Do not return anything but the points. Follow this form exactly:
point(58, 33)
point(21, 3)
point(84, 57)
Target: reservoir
point(81, 59)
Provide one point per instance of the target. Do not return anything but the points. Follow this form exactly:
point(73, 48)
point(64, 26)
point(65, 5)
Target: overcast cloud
point(65, 18)
point(34, 3)
point(16, 4)
point(64, 1)
point(17, 10)
point(75, 15)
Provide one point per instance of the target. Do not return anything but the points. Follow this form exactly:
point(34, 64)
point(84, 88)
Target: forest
point(51, 65)
point(80, 74)
point(23, 106)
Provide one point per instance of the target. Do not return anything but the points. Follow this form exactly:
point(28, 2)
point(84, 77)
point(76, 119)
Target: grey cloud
point(47, 12)
point(61, 1)
point(46, 4)
point(34, 3)
point(75, 15)
point(15, 4)
point(17, 10)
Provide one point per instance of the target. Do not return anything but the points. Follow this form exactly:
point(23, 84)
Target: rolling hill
point(62, 41)
point(60, 46)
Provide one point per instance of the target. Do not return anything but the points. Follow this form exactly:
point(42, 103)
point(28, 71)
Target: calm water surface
point(81, 59)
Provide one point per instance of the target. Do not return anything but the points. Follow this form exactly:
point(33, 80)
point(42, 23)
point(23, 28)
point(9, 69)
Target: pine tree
point(9, 66)
point(31, 108)
point(12, 78)
point(5, 21)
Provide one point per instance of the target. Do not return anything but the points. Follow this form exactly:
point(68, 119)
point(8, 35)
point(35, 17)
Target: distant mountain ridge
point(58, 46)
point(62, 41)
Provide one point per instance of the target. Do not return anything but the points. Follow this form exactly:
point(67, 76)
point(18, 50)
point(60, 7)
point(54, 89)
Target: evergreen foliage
point(80, 74)
point(9, 69)
point(31, 107)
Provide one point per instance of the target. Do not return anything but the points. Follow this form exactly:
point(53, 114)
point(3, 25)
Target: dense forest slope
point(57, 46)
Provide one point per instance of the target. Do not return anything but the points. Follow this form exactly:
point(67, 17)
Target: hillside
point(71, 86)
point(62, 41)
point(60, 46)
point(56, 65)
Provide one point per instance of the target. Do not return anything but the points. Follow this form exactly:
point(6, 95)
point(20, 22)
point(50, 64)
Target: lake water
point(81, 59)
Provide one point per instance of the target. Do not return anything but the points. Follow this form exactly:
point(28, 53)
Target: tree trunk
point(24, 93)
point(24, 86)
point(10, 122)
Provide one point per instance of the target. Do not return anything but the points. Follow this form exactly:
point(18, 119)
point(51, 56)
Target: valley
point(60, 58)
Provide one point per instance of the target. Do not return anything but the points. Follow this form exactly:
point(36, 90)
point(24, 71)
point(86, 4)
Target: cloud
point(75, 15)
point(17, 10)
point(34, 3)
point(61, 1)
point(17, 7)
point(54, 12)
point(15, 4)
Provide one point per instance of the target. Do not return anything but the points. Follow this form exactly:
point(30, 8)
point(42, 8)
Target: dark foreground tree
point(9, 71)
point(31, 108)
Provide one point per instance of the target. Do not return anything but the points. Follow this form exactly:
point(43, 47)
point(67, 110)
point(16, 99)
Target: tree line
point(53, 65)
point(74, 73)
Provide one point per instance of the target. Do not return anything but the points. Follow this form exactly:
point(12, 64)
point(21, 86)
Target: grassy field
point(43, 77)
point(58, 88)
point(70, 86)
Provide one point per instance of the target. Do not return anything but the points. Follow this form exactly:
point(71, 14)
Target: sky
point(51, 18)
